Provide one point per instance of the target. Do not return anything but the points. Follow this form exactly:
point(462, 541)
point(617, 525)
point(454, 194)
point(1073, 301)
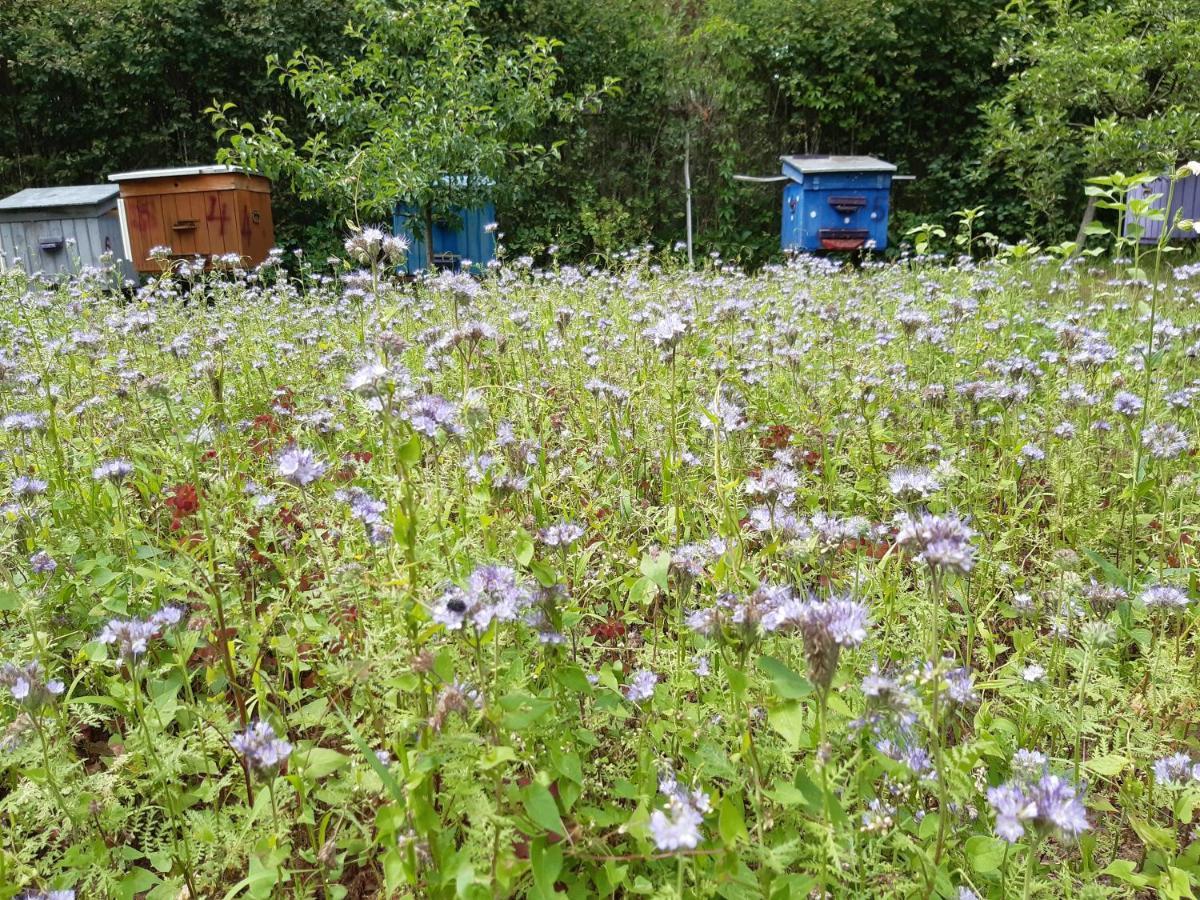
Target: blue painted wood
point(1186, 202)
point(835, 198)
point(461, 235)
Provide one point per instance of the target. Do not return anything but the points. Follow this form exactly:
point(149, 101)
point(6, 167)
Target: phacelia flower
point(641, 686)
point(27, 684)
point(1164, 595)
point(941, 542)
point(299, 466)
point(114, 470)
point(260, 747)
point(1045, 802)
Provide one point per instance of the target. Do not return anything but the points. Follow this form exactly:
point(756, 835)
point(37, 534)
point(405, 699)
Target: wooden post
point(687, 186)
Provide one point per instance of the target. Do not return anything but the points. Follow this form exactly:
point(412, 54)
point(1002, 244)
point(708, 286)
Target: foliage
point(1092, 88)
point(421, 109)
point(646, 580)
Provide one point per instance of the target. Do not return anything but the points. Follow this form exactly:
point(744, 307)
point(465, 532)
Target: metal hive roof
point(51, 197)
point(821, 164)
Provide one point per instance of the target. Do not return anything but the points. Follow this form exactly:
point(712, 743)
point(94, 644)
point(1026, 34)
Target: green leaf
point(523, 548)
point(1153, 836)
point(1107, 766)
point(787, 683)
point(731, 822)
point(985, 853)
point(655, 567)
point(789, 720)
point(541, 808)
point(573, 679)
point(322, 761)
point(409, 453)
point(545, 862)
point(136, 882)
point(497, 755)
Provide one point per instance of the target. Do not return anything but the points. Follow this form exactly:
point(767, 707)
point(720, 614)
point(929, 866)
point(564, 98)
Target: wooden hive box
point(57, 231)
point(207, 211)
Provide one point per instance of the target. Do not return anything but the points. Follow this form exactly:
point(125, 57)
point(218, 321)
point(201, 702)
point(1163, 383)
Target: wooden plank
point(197, 184)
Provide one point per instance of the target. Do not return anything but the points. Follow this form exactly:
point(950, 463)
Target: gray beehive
point(58, 231)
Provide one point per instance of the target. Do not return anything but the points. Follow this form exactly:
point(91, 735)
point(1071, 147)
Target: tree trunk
point(428, 210)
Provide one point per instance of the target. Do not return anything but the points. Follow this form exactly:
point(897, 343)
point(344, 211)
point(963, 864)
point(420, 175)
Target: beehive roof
point(53, 197)
point(175, 172)
point(821, 164)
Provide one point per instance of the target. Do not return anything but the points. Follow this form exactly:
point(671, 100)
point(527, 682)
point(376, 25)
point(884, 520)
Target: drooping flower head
point(826, 627)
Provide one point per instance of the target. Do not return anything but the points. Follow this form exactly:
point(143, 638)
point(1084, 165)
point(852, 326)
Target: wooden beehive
point(208, 211)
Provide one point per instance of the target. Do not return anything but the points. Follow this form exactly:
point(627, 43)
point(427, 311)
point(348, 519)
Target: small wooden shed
point(207, 211)
point(59, 230)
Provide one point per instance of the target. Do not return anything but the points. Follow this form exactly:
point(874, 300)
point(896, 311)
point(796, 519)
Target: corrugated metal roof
point(174, 173)
point(820, 164)
point(70, 195)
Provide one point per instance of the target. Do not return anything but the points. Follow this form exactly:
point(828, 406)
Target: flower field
point(635, 582)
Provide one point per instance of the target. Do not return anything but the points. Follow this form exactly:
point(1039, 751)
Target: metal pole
point(687, 185)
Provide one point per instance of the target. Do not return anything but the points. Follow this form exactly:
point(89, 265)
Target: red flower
point(183, 502)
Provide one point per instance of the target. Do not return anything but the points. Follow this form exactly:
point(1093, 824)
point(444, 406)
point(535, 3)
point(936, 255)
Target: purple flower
point(24, 486)
point(260, 747)
point(1164, 441)
point(492, 593)
point(115, 470)
point(1039, 799)
point(641, 686)
point(1166, 596)
point(42, 563)
point(677, 827)
point(434, 416)
point(27, 684)
point(941, 542)
point(299, 466)
point(132, 636)
point(912, 485)
point(1175, 770)
point(561, 534)
point(1127, 404)
point(826, 627)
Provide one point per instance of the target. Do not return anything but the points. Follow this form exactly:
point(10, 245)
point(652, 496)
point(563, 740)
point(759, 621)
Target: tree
point(422, 109)
point(1094, 88)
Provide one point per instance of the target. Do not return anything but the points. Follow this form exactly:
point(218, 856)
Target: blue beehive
point(1185, 204)
point(461, 234)
point(836, 202)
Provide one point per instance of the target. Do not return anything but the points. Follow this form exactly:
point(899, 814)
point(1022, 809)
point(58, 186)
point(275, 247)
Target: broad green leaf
point(541, 808)
point(787, 683)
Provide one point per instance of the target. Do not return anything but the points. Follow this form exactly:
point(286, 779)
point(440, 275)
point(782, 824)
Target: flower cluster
point(492, 593)
point(27, 684)
point(941, 542)
point(677, 827)
point(132, 636)
point(260, 746)
point(1037, 799)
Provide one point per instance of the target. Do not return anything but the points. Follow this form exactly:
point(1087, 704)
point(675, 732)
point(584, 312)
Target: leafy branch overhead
point(422, 109)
